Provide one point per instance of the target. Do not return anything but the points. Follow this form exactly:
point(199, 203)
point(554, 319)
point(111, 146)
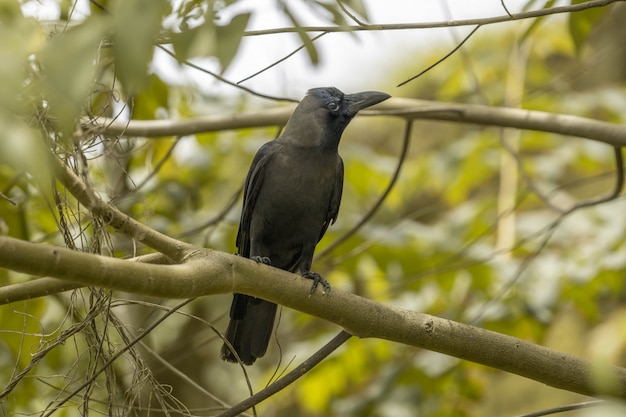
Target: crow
point(291, 195)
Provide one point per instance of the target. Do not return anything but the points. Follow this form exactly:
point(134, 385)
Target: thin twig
point(171, 247)
point(569, 407)
point(215, 219)
point(288, 379)
point(506, 9)
point(350, 14)
point(381, 199)
point(39, 355)
point(158, 166)
point(7, 198)
point(289, 55)
point(439, 61)
point(443, 24)
point(117, 356)
point(224, 80)
point(551, 228)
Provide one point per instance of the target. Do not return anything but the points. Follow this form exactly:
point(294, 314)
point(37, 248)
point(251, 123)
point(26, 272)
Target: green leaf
point(582, 23)
point(335, 12)
point(68, 63)
point(357, 6)
point(229, 37)
point(536, 22)
point(137, 25)
point(155, 95)
point(304, 36)
point(200, 41)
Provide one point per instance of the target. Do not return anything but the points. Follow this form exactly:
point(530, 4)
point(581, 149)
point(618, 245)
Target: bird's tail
point(250, 328)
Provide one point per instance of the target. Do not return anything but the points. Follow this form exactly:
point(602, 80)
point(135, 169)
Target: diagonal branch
point(290, 378)
point(209, 272)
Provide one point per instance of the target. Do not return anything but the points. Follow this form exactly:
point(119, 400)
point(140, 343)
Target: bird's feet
point(317, 279)
point(262, 260)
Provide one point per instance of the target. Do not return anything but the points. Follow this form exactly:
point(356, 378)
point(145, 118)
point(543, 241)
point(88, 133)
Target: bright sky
point(351, 62)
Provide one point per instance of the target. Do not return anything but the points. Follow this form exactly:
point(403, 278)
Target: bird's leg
point(317, 279)
point(262, 260)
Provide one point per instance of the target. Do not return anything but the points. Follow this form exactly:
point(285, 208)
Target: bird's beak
point(359, 101)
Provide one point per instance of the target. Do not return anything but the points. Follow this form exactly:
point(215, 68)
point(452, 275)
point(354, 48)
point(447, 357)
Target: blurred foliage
point(433, 246)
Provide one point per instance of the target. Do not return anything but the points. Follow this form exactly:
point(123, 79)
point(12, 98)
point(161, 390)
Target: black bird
point(291, 196)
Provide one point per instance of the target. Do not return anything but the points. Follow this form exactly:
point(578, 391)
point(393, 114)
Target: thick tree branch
point(562, 124)
point(211, 123)
point(610, 133)
point(209, 272)
point(41, 287)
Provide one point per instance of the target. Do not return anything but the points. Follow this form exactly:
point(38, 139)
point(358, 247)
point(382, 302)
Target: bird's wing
point(254, 180)
point(335, 199)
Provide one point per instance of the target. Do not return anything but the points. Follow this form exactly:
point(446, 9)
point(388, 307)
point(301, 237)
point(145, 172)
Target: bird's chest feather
point(297, 189)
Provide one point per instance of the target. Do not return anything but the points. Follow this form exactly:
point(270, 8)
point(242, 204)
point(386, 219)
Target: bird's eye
point(333, 106)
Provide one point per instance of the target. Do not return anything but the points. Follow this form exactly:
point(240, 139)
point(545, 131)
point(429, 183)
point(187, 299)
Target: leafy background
point(475, 230)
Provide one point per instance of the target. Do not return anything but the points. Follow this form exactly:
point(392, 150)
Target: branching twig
point(439, 61)
point(217, 218)
point(224, 80)
point(39, 355)
point(283, 59)
point(173, 248)
point(156, 169)
point(551, 228)
point(508, 13)
point(569, 407)
point(117, 355)
point(350, 14)
point(290, 378)
point(394, 178)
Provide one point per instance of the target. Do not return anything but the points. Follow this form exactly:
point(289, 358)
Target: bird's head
point(324, 113)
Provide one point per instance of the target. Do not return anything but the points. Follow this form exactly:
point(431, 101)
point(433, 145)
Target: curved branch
point(610, 133)
point(209, 272)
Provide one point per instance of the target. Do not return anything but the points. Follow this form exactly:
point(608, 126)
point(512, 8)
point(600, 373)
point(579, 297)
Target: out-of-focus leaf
point(580, 24)
point(536, 22)
point(68, 62)
point(136, 27)
point(189, 8)
point(154, 96)
point(304, 36)
point(335, 12)
point(200, 41)
point(229, 37)
point(9, 10)
point(357, 6)
point(20, 38)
